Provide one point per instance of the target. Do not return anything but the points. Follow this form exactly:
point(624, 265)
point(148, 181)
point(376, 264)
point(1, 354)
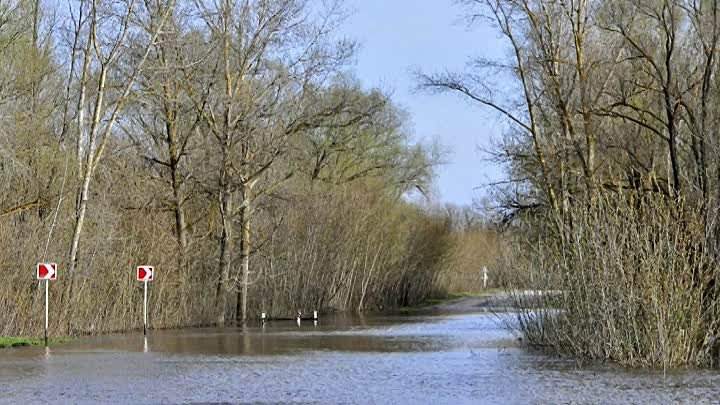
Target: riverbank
point(490, 300)
point(8, 342)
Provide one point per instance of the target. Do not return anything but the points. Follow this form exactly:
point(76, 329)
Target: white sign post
point(145, 274)
point(485, 277)
point(47, 272)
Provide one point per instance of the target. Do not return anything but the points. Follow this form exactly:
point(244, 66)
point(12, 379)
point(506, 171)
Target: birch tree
point(104, 29)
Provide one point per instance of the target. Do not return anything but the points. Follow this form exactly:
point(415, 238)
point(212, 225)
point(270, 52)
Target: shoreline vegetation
point(478, 301)
point(10, 342)
point(452, 302)
point(612, 186)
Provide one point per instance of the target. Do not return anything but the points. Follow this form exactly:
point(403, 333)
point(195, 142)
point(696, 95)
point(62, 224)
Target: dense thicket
point(226, 143)
point(613, 154)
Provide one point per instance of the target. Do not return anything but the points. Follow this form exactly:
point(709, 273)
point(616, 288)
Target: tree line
point(227, 143)
point(613, 171)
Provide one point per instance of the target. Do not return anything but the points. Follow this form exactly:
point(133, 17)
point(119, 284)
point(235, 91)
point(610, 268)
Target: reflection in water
point(451, 360)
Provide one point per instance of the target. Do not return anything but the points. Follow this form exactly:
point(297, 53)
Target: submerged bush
point(629, 280)
point(353, 249)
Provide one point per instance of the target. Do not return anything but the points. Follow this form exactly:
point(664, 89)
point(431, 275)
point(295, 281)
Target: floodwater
point(429, 360)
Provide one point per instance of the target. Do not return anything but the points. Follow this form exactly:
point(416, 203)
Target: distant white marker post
point(47, 272)
point(145, 274)
point(485, 277)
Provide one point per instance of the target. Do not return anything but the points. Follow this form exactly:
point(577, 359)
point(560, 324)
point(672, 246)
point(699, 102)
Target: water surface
point(429, 360)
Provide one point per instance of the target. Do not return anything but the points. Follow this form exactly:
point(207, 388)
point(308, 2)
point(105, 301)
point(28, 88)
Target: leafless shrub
point(633, 283)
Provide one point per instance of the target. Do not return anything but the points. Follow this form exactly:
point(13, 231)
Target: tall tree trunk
point(669, 99)
point(87, 174)
point(226, 208)
point(590, 141)
point(180, 223)
point(36, 24)
point(226, 243)
point(178, 197)
point(245, 214)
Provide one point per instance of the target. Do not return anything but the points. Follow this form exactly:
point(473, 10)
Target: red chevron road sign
point(47, 271)
point(145, 273)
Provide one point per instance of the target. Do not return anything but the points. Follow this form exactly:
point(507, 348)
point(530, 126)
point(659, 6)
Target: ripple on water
point(456, 360)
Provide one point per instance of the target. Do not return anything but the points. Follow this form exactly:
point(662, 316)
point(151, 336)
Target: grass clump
point(6, 342)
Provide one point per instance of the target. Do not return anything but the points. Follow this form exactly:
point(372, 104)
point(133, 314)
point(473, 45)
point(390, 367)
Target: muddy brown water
point(433, 359)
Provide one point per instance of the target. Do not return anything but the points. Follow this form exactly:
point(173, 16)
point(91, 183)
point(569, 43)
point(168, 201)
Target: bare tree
point(101, 50)
point(264, 91)
point(162, 122)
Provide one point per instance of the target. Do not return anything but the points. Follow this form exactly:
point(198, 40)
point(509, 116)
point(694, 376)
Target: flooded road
point(429, 360)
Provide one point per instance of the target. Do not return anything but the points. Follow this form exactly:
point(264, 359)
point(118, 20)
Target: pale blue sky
point(398, 36)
